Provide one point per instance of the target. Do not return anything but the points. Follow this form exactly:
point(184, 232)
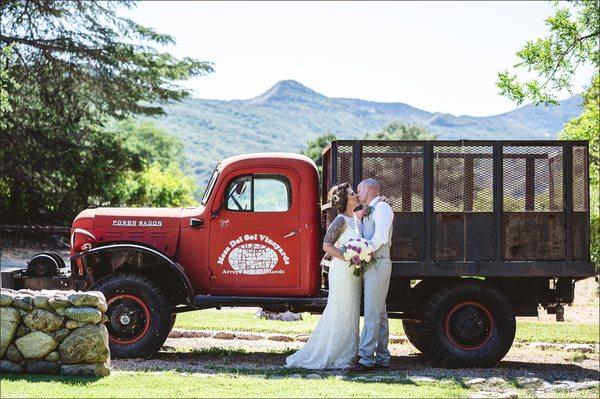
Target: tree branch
point(54, 45)
point(563, 55)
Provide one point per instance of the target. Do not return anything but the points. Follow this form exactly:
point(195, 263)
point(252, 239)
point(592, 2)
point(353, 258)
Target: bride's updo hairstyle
point(338, 197)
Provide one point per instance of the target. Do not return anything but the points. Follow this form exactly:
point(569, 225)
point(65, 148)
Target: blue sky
point(438, 56)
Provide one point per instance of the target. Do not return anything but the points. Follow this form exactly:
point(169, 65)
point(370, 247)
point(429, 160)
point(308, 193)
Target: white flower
point(349, 254)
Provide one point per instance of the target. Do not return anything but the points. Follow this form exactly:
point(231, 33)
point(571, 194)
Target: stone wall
point(53, 332)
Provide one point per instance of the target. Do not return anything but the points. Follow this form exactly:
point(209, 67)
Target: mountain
point(289, 114)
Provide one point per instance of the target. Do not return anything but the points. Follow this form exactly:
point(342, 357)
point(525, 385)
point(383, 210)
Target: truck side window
point(259, 193)
point(271, 193)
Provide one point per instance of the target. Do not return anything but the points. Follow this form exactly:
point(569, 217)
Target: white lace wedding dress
point(334, 342)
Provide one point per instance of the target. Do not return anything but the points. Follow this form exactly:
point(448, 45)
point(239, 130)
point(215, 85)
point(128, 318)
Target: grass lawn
point(564, 332)
point(175, 384)
point(229, 378)
point(245, 320)
point(237, 384)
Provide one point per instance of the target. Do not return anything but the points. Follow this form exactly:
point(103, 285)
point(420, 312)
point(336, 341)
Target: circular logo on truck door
point(252, 254)
point(252, 259)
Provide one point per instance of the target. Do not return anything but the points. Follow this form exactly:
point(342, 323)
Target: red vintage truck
point(483, 231)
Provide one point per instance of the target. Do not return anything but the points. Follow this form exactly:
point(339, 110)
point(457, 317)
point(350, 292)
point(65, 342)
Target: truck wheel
point(139, 315)
point(468, 324)
point(413, 332)
point(173, 320)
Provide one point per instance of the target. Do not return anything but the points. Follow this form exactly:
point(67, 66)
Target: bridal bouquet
point(360, 254)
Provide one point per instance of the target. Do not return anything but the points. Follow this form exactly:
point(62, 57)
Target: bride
point(334, 342)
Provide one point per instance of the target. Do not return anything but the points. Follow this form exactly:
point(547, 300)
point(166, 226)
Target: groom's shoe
point(360, 368)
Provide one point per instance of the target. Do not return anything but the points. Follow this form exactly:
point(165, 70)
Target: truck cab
point(257, 231)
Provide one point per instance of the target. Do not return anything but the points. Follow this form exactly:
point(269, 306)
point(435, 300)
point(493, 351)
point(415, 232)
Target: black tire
point(412, 329)
point(139, 315)
point(173, 320)
point(468, 323)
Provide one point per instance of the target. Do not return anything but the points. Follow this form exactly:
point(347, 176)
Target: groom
point(377, 229)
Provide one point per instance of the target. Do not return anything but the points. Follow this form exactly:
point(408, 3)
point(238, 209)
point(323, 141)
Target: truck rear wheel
point(468, 324)
point(413, 332)
point(139, 316)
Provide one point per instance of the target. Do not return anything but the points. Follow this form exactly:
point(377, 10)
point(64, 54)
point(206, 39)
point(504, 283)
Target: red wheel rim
point(473, 313)
point(146, 318)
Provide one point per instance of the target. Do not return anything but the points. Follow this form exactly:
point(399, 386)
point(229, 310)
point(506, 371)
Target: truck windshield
point(209, 187)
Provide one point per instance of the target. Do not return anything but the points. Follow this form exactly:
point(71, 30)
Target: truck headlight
point(82, 240)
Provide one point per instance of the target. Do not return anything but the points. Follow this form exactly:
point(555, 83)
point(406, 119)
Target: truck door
point(254, 237)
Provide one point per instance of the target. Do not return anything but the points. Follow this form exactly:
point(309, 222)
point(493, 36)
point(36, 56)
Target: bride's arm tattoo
point(335, 230)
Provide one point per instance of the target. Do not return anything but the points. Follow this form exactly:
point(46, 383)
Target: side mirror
point(240, 188)
point(196, 223)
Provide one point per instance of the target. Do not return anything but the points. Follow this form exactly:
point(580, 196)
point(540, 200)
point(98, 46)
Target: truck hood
point(166, 218)
point(154, 227)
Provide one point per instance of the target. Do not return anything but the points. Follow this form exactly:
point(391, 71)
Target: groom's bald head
point(367, 190)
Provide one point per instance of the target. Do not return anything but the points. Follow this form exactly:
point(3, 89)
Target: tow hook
point(560, 313)
point(558, 310)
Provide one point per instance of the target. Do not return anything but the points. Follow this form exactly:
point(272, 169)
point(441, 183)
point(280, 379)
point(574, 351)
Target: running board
point(316, 304)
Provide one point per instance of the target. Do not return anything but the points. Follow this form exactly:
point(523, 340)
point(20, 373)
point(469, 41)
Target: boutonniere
point(368, 210)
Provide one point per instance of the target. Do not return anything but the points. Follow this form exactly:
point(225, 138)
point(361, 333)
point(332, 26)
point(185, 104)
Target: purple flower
point(356, 259)
point(358, 250)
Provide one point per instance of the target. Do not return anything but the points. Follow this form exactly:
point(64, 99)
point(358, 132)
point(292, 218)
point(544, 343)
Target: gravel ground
point(200, 356)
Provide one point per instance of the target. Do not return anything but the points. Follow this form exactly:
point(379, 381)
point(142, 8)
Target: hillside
point(289, 114)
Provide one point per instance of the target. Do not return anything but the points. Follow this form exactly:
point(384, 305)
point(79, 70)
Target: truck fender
point(45, 264)
point(174, 266)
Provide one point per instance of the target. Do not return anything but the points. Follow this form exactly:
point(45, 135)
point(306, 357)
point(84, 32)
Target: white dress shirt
point(383, 215)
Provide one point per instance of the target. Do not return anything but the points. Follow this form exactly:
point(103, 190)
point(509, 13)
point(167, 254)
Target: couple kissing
point(335, 343)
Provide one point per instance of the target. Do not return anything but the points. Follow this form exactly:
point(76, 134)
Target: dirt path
point(208, 355)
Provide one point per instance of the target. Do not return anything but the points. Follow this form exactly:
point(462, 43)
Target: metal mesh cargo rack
point(481, 208)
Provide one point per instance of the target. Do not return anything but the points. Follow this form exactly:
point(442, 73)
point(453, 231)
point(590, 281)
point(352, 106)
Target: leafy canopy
point(401, 131)
point(161, 178)
point(66, 70)
point(90, 49)
point(587, 127)
point(314, 148)
point(573, 40)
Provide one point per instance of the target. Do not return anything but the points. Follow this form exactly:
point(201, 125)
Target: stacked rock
point(53, 332)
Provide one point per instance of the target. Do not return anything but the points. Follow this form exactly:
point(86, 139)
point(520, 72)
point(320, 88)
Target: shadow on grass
point(64, 379)
point(271, 365)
